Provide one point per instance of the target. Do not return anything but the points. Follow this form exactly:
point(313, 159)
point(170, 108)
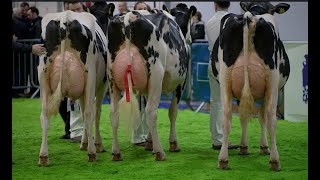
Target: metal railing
point(24, 68)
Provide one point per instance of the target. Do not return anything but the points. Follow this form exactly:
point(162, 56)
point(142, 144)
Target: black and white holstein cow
point(147, 55)
point(75, 67)
point(250, 63)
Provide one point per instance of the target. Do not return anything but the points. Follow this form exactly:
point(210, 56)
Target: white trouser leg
point(215, 109)
point(140, 135)
point(76, 121)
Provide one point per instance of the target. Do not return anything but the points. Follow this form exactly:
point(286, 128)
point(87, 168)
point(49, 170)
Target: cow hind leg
point(264, 150)
point(270, 111)
point(244, 138)
point(88, 110)
point(84, 139)
point(149, 144)
point(44, 119)
point(154, 93)
point(174, 147)
point(114, 118)
point(271, 125)
point(97, 137)
point(226, 101)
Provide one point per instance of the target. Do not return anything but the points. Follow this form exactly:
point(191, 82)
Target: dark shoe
point(140, 144)
point(76, 139)
point(66, 136)
point(230, 146)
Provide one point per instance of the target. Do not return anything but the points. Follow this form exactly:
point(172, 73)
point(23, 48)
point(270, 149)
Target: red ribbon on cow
point(126, 82)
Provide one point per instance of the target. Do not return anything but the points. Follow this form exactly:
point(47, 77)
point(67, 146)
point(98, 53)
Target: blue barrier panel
point(200, 81)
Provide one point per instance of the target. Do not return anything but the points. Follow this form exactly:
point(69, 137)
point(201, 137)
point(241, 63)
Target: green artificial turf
point(195, 161)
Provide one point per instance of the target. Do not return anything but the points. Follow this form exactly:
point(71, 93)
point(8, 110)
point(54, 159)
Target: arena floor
point(195, 161)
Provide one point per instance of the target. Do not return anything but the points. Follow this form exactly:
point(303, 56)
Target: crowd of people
point(26, 24)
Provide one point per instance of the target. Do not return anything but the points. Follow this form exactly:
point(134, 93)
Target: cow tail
point(129, 112)
point(246, 106)
point(56, 97)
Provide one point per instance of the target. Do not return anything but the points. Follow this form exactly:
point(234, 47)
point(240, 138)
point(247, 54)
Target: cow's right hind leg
point(244, 137)
point(263, 141)
point(44, 118)
point(154, 94)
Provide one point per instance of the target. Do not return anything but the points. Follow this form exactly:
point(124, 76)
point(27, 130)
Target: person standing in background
point(122, 8)
point(197, 27)
point(35, 23)
point(213, 30)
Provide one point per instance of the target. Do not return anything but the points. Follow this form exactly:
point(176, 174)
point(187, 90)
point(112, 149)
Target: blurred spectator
point(24, 10)
point(140, 5)
point(75, 6)
point(66, 5)
point(36, 49)
point(197, 28)
point(89, 4)
point(99, 10)
point(19, 26)
point(123, 8)
point(35, 23)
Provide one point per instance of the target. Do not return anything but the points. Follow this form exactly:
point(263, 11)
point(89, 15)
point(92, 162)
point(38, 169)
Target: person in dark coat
point(35, 23)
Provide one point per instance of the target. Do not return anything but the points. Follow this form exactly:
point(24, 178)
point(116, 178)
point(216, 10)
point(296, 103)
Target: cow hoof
point(174, 147)
point(148, 146)
point(223, 164)
point(43, 161)
point(83, 146)
point(100, 148)
point(92, 157)
point(264, 150)
point(275, 165)
point(160, 156)
point(116, 157)
point(243, 150)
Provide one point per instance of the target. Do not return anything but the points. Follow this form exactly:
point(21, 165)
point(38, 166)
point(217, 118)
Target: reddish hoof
point(116, 157)
point(43, 161)
point(84, 146)
point(148, 146)
point(243, 150)
point(92, 157)
point(274, 165)
point(174, 147)
point(264, 150)
point(223, 164)
point(100, 148)
point(160, 156)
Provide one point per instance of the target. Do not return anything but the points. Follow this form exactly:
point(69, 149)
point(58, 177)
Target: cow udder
point(138, 68)
point(73, 76)
point(257, 76)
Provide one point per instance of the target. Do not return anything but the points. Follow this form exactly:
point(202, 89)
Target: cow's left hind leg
point(226, 102)
point(97, 137)
point(115, 96)
point(149, 145)
point(174, 147)
point(244, 137)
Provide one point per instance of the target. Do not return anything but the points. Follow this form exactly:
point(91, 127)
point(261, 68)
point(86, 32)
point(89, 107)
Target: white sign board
point(296, 88)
